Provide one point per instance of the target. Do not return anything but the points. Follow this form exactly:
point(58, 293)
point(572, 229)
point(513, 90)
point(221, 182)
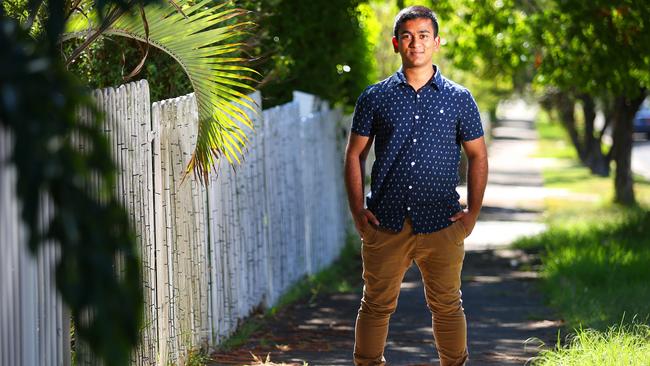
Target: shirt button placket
point(414, 140)
point(410, 187)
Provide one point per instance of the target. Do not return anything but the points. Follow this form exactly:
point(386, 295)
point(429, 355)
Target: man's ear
point(436, 43)
point(395, 44)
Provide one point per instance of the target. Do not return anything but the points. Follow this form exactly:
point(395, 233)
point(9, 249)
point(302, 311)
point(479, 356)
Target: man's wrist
point(474, 213)
point(357, 209)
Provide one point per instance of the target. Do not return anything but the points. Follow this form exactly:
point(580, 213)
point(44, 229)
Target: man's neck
point(418, 76)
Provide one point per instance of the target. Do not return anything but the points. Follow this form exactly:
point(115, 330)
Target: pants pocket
point(461, 234)
point(369, 234)
point(462, 229)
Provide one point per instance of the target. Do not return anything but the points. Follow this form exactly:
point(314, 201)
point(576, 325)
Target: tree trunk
point(566, 107)
point(625, 108)
point(608, 111)
point(593, 153)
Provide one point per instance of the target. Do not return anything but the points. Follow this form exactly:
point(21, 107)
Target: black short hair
point(414, 12)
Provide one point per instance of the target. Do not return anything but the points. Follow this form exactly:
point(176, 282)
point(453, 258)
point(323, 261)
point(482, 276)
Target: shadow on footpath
point(502, 304)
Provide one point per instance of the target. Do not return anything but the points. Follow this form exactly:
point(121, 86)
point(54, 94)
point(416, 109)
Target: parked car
point(642, 119)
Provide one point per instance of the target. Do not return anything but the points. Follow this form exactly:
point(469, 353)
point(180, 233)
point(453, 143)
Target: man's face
point(416, 43)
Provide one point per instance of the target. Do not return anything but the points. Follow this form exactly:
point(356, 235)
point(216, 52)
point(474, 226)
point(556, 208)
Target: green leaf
point(198, 42)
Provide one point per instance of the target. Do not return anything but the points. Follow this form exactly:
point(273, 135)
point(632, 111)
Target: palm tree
point(197, 37)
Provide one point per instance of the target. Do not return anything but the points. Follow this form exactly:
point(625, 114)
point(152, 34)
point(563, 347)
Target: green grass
point(595, 261)
point(568, 173)
point(197, 357)
point(596, 265)
point(572, 176)
point(618, 345)
point(242, 334)
point(553, 139)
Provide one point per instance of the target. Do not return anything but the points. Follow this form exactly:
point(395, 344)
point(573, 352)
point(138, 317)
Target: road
point(641, 158)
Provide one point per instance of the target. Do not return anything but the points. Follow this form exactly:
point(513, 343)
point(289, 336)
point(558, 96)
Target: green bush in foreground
point(620, 345)
point(596, 268)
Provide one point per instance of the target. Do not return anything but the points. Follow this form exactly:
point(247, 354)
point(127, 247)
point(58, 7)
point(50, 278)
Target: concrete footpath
point(506, 317)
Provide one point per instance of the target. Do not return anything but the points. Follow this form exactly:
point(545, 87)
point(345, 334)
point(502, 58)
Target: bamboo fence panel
point(127, 125)
point(238, 236)
point(182, 249)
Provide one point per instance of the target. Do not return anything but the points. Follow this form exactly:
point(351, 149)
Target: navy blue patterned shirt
point(417, 148)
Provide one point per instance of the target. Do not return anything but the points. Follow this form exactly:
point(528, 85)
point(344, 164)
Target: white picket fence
point(210, 254)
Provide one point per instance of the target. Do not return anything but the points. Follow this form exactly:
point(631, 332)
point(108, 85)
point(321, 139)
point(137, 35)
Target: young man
point(418, 119)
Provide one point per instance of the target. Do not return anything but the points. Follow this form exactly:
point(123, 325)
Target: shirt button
point(410, 187)
point(412, 163)
point(408, 209)
point(417, 117)
point(415, 140)
point(417, 95)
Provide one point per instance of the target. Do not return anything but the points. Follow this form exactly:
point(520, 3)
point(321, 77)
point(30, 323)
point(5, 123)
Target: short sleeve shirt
point(417, 139)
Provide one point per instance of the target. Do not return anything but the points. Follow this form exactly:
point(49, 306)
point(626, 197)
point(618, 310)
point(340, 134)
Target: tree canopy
point(595, 51)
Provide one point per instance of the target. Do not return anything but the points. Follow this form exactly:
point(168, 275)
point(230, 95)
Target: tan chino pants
point(386, 257)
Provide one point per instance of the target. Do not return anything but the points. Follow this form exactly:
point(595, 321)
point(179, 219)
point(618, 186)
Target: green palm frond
point(198, 39)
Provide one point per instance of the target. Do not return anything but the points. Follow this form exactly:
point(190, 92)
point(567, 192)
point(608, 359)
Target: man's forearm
point(477, 173)
point(354, 173)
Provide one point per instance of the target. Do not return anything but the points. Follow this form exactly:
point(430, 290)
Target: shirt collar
point(398, 77)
